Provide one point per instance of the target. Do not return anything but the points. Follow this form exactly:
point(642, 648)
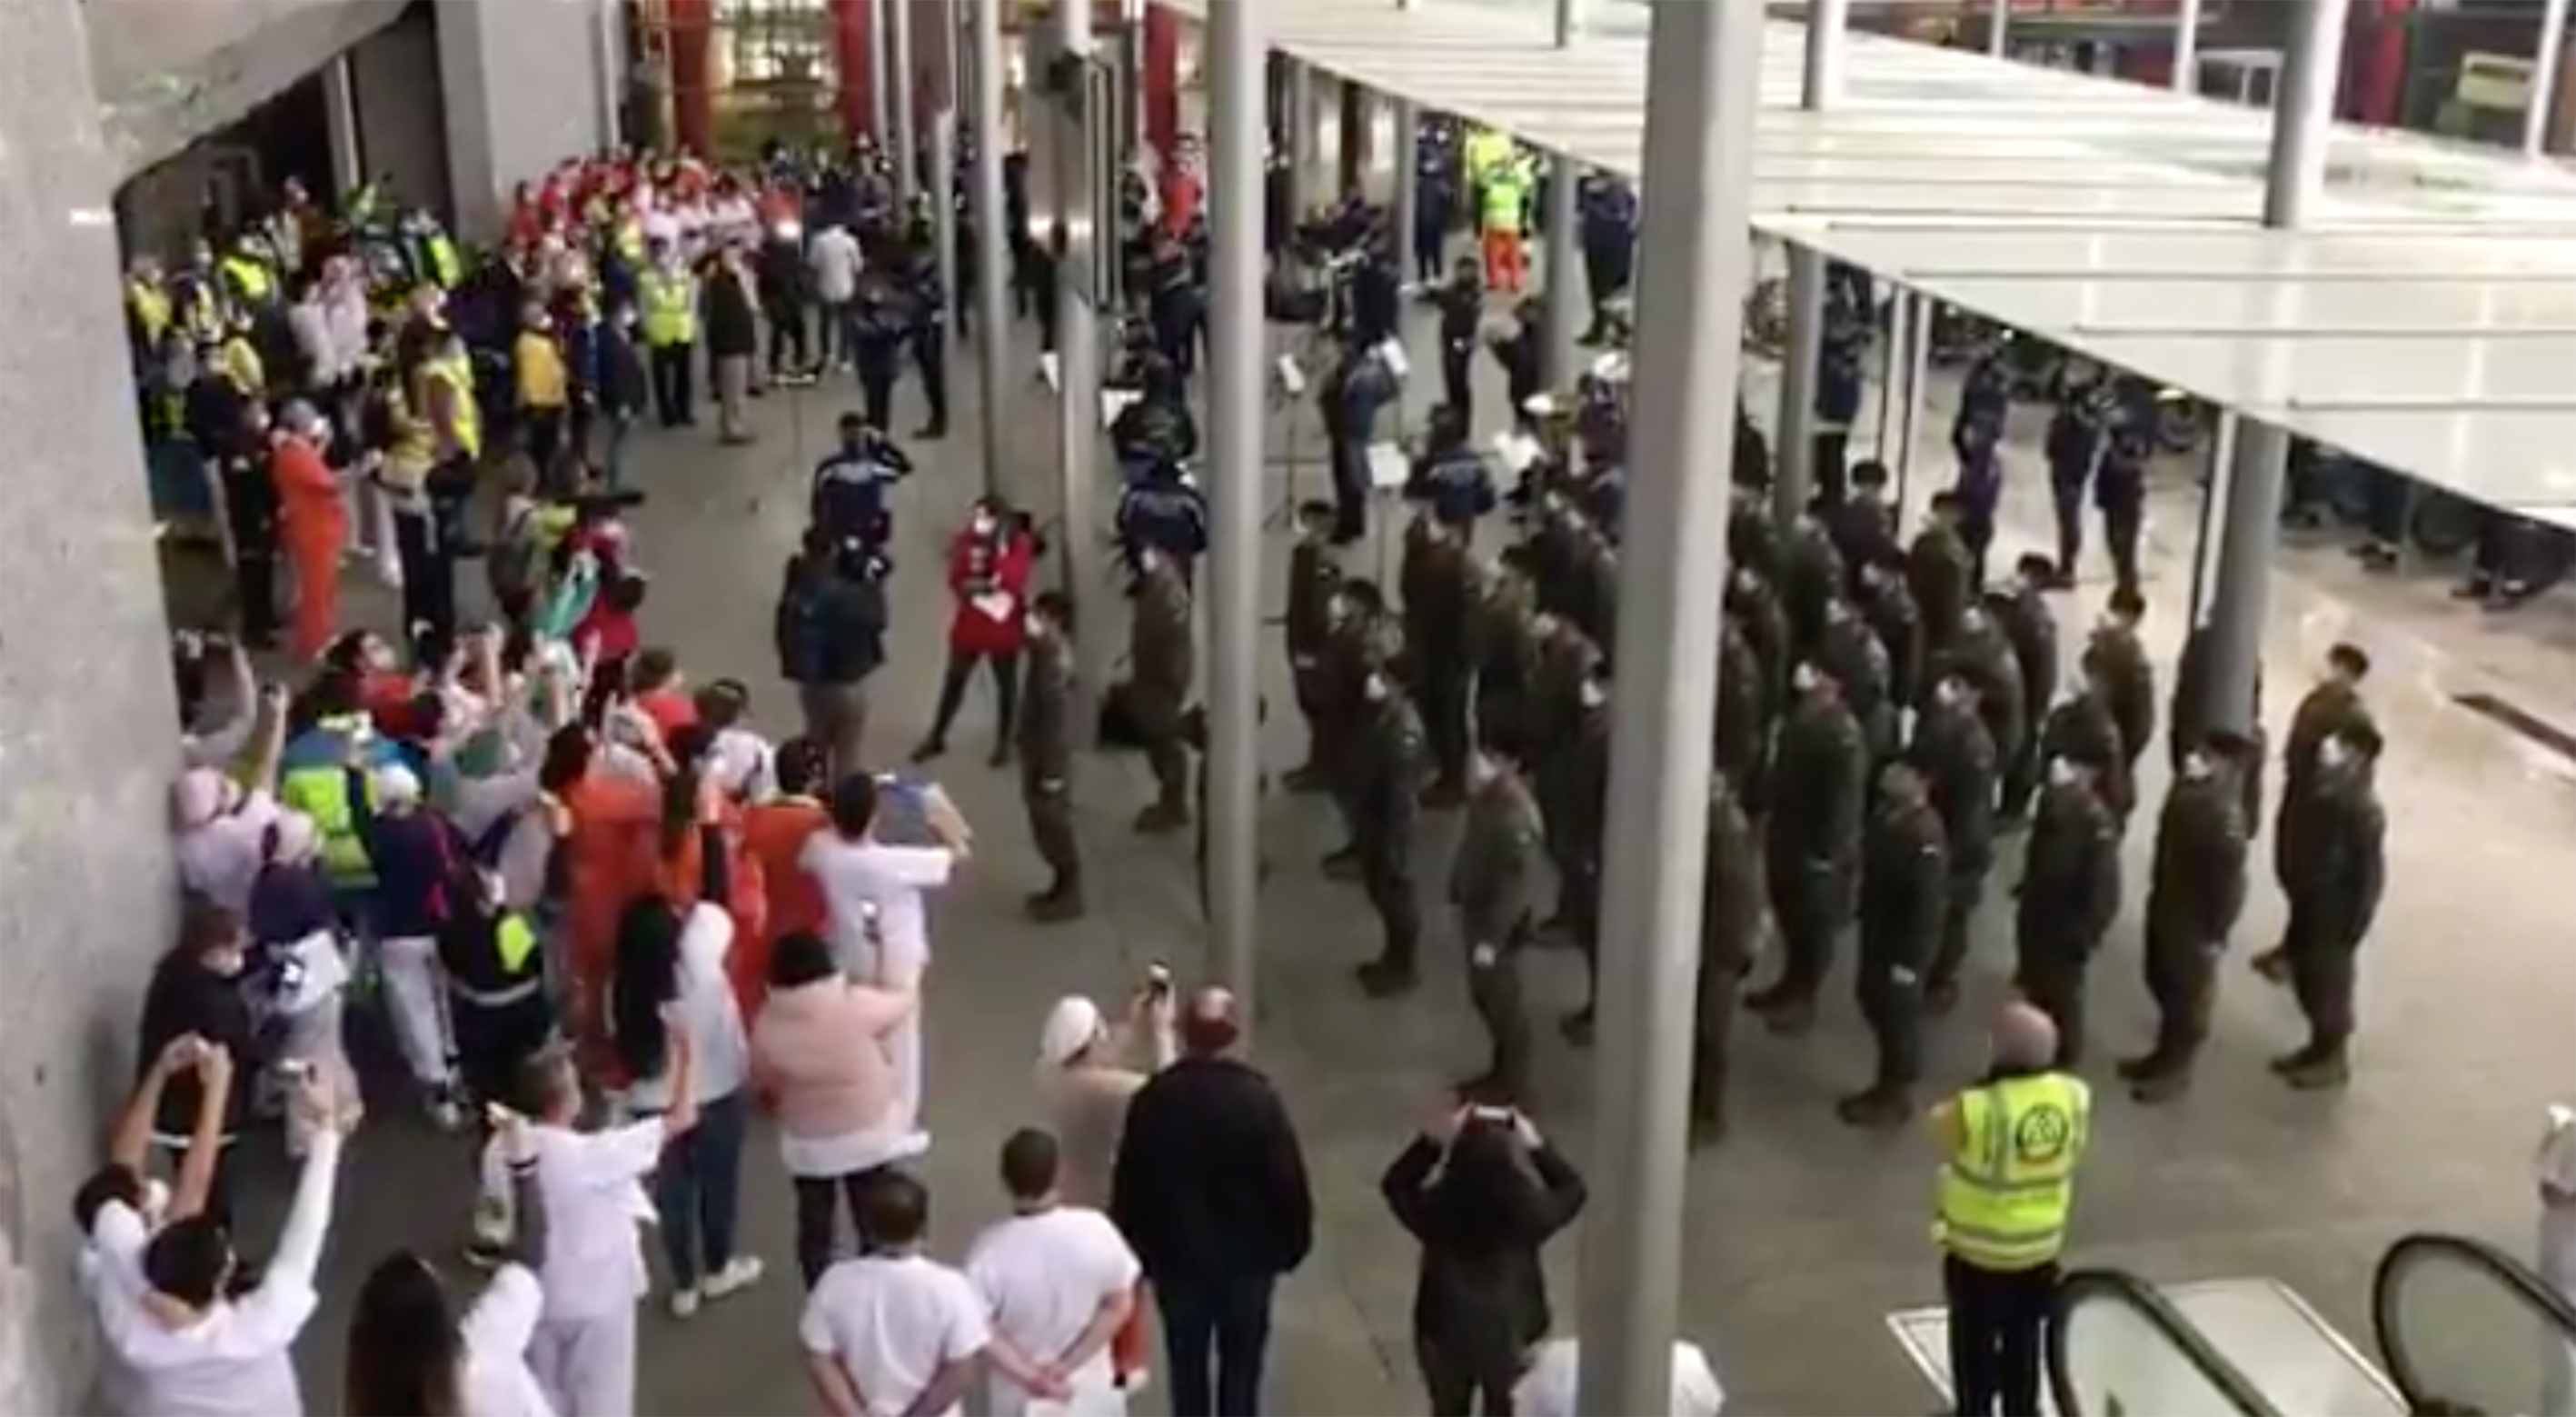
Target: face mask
point(2061, 773)
point(1804, 678)
point(1594, 694)
point(227, 961)
point(2333, 754)
point(380, 658)
point(1035, 627)
point(1544, 623)
point(2196, 767)
point(982, 525)
point(1949, 693)
point(1375, 689)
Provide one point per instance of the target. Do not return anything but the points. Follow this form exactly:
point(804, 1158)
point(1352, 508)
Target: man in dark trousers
point(1163, 666)
point(2021, 611)
point(1313, 577)
point(1384, 774)
point(2195, 891)
point(1046, 755)
point(1956, 756)
point(2334, 868)
point(1493, 883)
point(1733, 917)
point(1821, 769)
point(1210, 1191)
point(1904, 892)
point(2333, 706)
point(2070, 894)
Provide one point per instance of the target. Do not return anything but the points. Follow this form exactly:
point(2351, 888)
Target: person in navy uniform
point(1839, 381)
point(849, 494)
point(1157, 428)
point(1358, 388)
point(1452, 482)
point(1461, 303)
point(1608, 207)
point(926, 309)
point(1435, 206)
point(1175, 304)
point(2076, 435)
point(1985, 401)
point(1161, 510)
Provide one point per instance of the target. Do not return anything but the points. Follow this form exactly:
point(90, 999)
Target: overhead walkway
point(2461, 1328)
point(2426, 322)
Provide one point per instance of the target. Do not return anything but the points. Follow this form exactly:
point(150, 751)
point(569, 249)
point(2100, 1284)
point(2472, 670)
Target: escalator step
point(2521, 721)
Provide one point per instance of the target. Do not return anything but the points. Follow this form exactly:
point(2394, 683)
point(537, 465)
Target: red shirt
point(670, 711)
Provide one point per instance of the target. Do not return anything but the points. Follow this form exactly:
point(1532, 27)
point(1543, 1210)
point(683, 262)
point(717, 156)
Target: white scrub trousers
point(416, 997)
point(587, 1365)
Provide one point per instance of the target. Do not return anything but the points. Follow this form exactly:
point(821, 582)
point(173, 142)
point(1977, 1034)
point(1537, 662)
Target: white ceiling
point(2427, 322)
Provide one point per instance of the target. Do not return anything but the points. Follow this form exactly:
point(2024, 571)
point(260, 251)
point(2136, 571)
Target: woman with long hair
point(671, 957)
point(410, 1354)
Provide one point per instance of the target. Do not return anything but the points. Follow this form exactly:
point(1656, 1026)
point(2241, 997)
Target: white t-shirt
point(745, 763)
point(1043, 1278)
point(721, 1055)
point(592, 1184)
point(855, 875)
point(891, 1322)
point(1549, 1388)
point(836, 260)
point(111, 1272)
point(495, 1334)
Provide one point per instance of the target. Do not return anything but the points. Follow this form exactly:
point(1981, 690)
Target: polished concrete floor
point(1801, 1235)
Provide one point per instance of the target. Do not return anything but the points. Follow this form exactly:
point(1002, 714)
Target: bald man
point(2010, 1147)
point(1210, 1191)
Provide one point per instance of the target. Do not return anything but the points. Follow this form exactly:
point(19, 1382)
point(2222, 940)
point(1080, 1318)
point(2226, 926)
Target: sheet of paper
point(995, 605)
point(1389, 468)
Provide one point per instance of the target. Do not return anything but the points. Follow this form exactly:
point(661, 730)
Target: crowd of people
point(575, 882)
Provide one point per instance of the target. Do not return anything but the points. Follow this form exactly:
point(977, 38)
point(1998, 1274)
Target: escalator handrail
point(2512, 1274)
point(2122, 1287)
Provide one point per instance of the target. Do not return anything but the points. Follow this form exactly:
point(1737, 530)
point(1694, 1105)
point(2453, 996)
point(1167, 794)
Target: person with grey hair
point(2010, 1148)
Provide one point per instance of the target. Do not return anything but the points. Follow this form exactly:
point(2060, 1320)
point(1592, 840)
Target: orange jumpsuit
point(775, 834)
point(313, 526)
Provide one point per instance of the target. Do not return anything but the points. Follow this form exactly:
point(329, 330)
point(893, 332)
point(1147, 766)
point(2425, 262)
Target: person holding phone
point(1483, 1192)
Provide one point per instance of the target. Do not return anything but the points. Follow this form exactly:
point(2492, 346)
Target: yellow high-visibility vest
point(241, 361)
point(151, 307)
point(1504, 203)
point(457, 375)
point(515, 942)
point(1484, 151)
point(2006, 1195)
point(670, 309)
point(415, 445)
point(249, 279)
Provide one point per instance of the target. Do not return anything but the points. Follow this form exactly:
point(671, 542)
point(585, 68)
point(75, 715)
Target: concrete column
point(1918, 376)
point(1238, 371)
point(1078, 353)
point(1299, 140)
point(1408, 178)
point(520, 85)
point(89, 746)
point(2542, 104)
point(2186, 48)
point(907, 147)
point(608, 34)
point(1358, 128)
point(1820, 82)
point(1793, 431)
point(1998, 28)
point(1564, 274)
point(340, 115)
point(2249, 532)
point(880, 72)
point(992, 267)
point(1704, 66)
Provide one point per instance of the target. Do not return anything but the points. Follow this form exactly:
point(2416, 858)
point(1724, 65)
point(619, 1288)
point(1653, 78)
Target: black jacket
point(185, 998)
point(830, 628)
point(1480, 1280)
point(1210, 1183)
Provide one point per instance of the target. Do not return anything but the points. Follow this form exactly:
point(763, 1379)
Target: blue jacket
point(1456, 485)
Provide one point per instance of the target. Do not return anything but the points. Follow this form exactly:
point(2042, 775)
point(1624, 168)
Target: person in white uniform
point(120, 1208)
point(894, 1331)
point(875, 898)
point(2556, 1176)
point(409, 1353)
point(1058, 1282)
point(1549, 1388)
point(190, 1349)
point(592, 1269)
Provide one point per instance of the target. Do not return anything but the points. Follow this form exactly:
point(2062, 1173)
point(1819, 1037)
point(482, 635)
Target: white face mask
point(2061, 773)
point(2333, 754)
point(1594, 695)
point(1803, 678)
point(2196, 766)
point(982, 525)
point(1950, 693)
point(1035, 627)
point(1375, 688)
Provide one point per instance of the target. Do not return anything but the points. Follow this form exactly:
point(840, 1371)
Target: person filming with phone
point(1484, 1193)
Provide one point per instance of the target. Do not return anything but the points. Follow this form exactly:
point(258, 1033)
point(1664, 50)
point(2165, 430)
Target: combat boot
point(1056, 904)
point(1383, 978)
point(1877, 1108)
point(1788, 1017)
point(2163, 1085)
point(2315, 1068)
point(1162, 819)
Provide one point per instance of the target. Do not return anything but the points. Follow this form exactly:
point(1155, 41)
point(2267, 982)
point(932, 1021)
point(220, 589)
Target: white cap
point(397, 786)
point(1070, 1027)
point(197, 798)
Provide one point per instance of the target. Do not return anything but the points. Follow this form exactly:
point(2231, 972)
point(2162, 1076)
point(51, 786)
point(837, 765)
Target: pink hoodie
point(820, 1049)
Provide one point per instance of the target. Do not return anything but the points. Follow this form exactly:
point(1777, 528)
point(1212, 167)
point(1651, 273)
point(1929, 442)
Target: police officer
point(1377, 290)
point(2030, 627)
point(2077, 433)
point(1863, 527)
point(1452, 482)
point(1565, 663)
point(1940, 573)
point(1813, 842)
point(2334, 705)
point(880, 321)
point(1839, 381)
point(1977, 495)
point(2117, 658)
point(1740, 745)
point(1752, 537)
point(1353, 395)
point(1607, 210)
point(1356, 644)
point(2069, 895)
point(2120, 493)
point(2334, 868)
point(1162, 667)
point(1162, 510)
point(1985, 404)
point(2195, 891)
point(1904, 894)
point(1756, 607)
point(925, 306)
point(849, 496)
point(1956, 757)
point(1507, 648)
point(1851, 654)
point(1574, 799)
point(1811, 576)
point(1314, 577)
point(1461, 302)
point(2082, 729)
point(1493, 883)
point(1046, 755)
point(1439, 629)
point(1732, 922)
point(1435, 208)
point(1592, 600)
point(1385, 774)
point(1158, 426)
point(1174, 305)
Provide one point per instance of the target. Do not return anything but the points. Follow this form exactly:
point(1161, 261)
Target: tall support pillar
point(1999, 28)
point(1563, 291)
point(1078, 349)
point(906, 103)
point(1299, 140)
point(2249, 533)
point(1162, 79)
point(2540, 108)
point(880, 72)
point(2186, 48)
point(992, 268)
point(340, 119)
point(1703, 72)
point(1408, 177)
point(608, 43)
point(943, 172)
point(1358, 128)
point(1238, 370)
point(1793, 440)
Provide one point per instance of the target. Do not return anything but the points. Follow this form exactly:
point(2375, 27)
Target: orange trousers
point(1505, 267)
point(316, 562)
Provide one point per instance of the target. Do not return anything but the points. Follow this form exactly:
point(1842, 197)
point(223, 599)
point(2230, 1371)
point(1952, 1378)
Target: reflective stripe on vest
point(249, 278)
point(443, 265)
point(151, 310)
point(2005, 1196)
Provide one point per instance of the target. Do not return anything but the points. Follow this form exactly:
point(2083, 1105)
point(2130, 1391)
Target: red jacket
point(981, 566)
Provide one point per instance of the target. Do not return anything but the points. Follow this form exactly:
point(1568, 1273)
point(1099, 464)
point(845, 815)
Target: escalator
point(2463, 1330)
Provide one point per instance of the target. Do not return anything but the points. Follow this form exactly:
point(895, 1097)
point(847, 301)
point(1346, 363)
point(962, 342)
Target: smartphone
point(295, 1070)
point(1498, 1116)
point(1158, 978)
